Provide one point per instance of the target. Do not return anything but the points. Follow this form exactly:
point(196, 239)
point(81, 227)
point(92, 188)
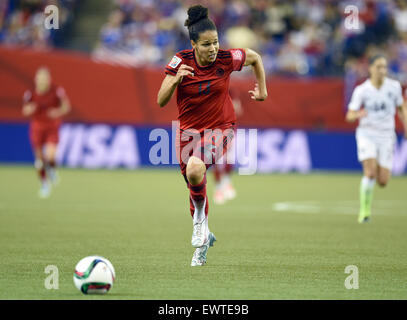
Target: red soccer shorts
point(43, 134)
point(209, 146)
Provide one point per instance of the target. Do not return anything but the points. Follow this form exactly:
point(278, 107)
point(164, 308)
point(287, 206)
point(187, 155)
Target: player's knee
point(195, 170)
point(371, 174)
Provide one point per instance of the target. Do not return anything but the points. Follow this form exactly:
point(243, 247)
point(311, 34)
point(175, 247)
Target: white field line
point(387, 207)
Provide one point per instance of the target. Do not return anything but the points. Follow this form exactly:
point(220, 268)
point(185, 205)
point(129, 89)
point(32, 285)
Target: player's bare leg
point(366, 189)
point(50, 156)
point(383, 176)
point(39, 164)
point(218, 197)
point(229, 190)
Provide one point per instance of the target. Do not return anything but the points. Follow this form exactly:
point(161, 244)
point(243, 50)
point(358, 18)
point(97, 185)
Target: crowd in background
point(295, 37)
point(22, 22)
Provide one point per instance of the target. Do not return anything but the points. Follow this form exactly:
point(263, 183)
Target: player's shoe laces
point(45, 190)
point(230, 192)
point(199, 234)
point(219, 197)
point(199, 257)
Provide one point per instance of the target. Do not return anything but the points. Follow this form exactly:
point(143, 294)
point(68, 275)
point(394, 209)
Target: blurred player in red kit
point(201, 76)
point(224, 189)
point(46, 104)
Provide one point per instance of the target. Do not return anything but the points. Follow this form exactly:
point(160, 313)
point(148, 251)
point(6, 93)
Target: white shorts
point(374, 146)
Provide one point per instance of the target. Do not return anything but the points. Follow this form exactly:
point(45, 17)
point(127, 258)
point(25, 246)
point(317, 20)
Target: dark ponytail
point(198, 21)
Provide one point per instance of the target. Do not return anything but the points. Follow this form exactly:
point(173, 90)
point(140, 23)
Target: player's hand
point(362, 113)
point(255, 94)
point(29, 109)
point(54, 113)
point(183, 71)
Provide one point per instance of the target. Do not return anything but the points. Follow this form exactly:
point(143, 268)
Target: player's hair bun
point(195, 14)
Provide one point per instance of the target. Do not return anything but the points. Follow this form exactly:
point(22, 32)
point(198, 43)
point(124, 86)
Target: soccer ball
point(94, 275)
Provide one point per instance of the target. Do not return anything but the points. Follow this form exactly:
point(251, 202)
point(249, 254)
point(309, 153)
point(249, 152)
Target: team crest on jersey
point(220, 72)
point(174, 62)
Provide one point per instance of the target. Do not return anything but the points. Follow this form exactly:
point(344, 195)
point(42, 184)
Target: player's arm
point(29, 108)
point(171, 82)
point(62, 110)
point(402, 109)
point(402, 114)
point(353, 115)
point(64, 107)
point(354, 109)
point(254, 60)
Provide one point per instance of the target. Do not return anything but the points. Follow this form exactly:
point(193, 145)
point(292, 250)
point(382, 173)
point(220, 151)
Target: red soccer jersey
point(203, 100)
point(45, 102)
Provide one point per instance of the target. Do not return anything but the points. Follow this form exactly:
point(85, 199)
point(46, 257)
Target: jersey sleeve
point(173, 66)
point(356, 101)
point(28, 96)
point(238, 58)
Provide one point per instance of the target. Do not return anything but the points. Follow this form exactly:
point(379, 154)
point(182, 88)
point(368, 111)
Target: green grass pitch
point(284, 237)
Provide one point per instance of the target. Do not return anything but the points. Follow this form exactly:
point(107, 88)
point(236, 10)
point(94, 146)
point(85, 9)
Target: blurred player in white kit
point(374, 103)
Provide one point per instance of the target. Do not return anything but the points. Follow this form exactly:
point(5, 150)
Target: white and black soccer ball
point(94, 275)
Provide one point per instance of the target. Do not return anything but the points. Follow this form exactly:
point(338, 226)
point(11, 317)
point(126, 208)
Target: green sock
point(366, 196)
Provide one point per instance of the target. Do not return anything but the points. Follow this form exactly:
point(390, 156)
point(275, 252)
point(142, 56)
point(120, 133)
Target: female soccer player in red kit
point(45, 104)
point(201, 76)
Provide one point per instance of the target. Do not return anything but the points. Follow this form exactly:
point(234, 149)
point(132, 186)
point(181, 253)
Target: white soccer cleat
point(219, 197)
point(199, 257)
point(45, 190)
point(199, 234)
point(230, 192)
